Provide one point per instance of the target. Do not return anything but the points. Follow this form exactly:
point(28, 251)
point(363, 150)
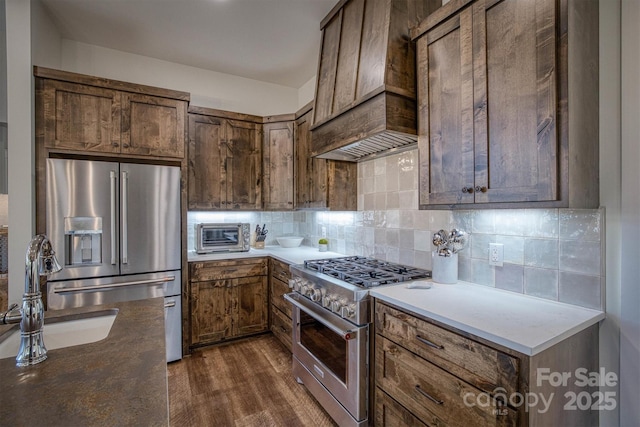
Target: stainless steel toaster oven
point(222, 237)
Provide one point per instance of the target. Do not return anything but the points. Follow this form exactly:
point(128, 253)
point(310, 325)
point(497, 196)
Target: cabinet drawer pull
point(428, 396)
point(481, 189)
point(467, 190)
point(429, 343)
point(283, 329)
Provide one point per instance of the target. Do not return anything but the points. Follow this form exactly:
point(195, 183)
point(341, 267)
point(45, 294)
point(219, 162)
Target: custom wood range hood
point(365, 101)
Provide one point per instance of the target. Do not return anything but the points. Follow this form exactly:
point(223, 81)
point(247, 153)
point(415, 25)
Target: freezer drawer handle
point(62, 290)
point(170, 304)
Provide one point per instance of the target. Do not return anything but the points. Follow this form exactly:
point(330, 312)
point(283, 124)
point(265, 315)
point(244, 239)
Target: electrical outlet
point(496, 254)
point(324, 231)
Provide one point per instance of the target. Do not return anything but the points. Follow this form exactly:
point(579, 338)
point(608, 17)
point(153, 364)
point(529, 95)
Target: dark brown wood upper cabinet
point(365, 89)
point(497, 127)
point(277, 164)
point(80, 117)
point(321, 183)
point(225, 161)
point(153, 126)
point(87, 114)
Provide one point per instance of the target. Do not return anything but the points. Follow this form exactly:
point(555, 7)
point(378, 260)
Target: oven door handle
point(337, 325)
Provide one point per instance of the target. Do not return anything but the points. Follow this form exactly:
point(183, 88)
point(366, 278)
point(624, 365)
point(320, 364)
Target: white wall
point(307, 92)
point(207, 88)
point(630, 217)
point(19, 114)
point(46, 41)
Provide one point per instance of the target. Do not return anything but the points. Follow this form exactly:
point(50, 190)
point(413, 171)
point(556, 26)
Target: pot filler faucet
point(40, 261)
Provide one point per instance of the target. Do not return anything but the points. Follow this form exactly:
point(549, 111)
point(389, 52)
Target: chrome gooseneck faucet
point(40, 261)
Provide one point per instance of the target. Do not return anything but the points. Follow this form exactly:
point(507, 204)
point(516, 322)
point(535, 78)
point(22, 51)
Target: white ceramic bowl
point(289, 241)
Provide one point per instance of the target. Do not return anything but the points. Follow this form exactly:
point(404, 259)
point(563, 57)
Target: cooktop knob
point(315, 294)
point(327, 300)
point(305, 289)
point(297, 284)
point(336, 306)
point(348, 311)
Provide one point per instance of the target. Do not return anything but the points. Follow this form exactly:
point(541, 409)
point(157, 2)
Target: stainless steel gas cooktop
point(366, 272)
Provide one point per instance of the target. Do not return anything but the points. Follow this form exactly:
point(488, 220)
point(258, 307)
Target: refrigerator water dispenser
point(83, 240)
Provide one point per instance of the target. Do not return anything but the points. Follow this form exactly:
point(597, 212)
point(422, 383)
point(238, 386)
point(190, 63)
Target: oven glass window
point(327, 346)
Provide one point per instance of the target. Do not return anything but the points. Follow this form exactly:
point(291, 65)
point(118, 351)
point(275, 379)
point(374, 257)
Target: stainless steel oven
point(331, 326)
point(335, 350)
point(220, 237)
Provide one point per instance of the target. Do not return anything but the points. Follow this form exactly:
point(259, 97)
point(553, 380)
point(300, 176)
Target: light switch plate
point(496, 254)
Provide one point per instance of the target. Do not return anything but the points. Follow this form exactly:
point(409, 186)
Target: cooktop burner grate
point(366, 272)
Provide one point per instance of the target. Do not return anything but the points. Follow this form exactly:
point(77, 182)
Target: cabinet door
point(388, 412)
point(310, 172)
point(342, 185)
point(445, 111)
point(153, 126)
point(515, 84)
point(207, 177)
point(211, 311)
point(243, 165)
point(252, 305)
point(82, 118)
point(277, 161)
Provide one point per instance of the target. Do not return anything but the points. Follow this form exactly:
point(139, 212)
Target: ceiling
point(274, 41)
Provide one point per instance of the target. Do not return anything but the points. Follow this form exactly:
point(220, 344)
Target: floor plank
point(245, 383)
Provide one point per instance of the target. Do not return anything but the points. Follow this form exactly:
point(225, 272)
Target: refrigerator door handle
point(112, 176)
point(62, 289)
point(124, 219)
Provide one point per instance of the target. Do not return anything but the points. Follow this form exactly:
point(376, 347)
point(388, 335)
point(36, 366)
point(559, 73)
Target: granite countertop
point(289, 255)
point(121, 380)
point(523, 323)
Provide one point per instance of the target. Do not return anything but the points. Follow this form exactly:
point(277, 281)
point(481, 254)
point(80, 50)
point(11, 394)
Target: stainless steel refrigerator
point(115, 228)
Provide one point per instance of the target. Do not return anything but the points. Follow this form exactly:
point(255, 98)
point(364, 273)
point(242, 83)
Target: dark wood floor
point(244, 383)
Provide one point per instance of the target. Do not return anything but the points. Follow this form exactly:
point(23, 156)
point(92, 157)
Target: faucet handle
point(3, 316)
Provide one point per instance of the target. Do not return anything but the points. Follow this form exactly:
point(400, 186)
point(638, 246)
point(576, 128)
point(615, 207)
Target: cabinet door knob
point(481, 189)
point(467, 190)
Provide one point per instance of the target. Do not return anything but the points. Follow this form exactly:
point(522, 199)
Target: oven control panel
point(332, 301)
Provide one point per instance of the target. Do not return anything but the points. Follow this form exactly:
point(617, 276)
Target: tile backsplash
point(556, 254)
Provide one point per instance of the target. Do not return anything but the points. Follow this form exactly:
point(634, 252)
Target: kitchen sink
point(64, 331)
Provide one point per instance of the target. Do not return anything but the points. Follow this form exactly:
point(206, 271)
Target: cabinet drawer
point(280, 270)
point(278, 289)
point(478, 364)
point(391, 413)
point(435, 396)
point(281, 326)
point(227, 269)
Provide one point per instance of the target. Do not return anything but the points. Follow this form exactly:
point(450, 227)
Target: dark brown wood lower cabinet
point(391, 413)
point(280, 309)
point(228, 299)
point(428, 372)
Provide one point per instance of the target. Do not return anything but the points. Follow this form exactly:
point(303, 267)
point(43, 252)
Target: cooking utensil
point(458, 240)
point(440, 238)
